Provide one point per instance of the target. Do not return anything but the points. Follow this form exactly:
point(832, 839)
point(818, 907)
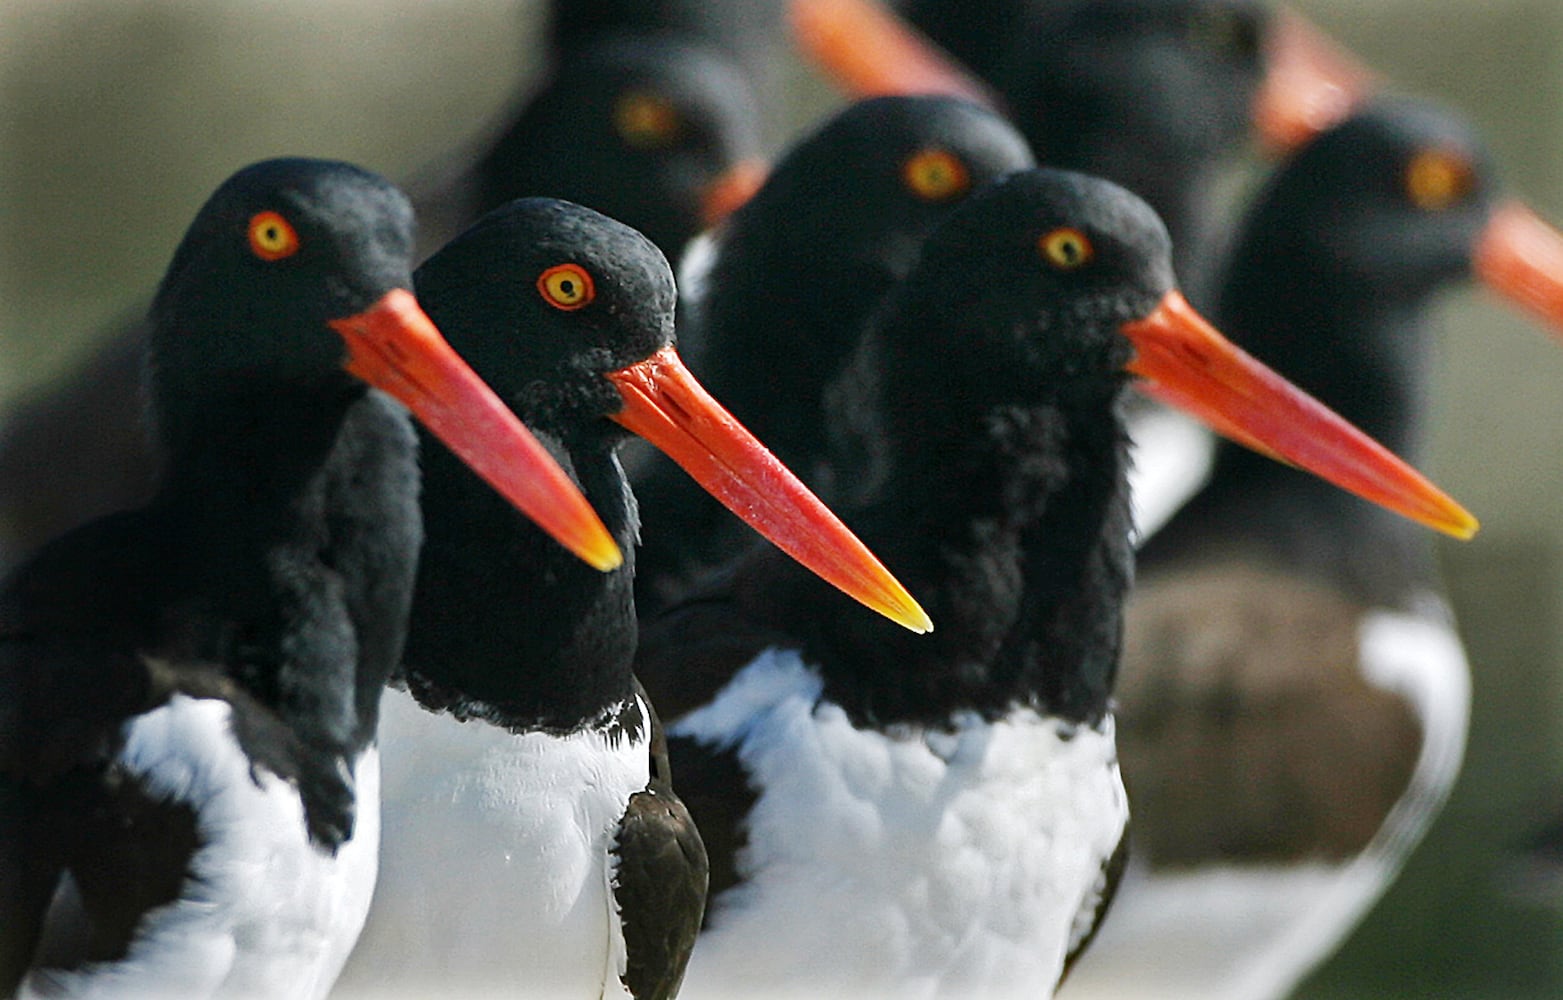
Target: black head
point(838, 222)
point(543, 297)
point(1148, 93)
point(970, 30)
point(279, 249)
point(1034, 276)
point(641, 128)
point(876, 177)
point(1390, 201)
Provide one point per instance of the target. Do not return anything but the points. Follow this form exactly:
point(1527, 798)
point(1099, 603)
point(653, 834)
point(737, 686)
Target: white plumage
point(496, 864)
point(264, 912)
point(910, 863)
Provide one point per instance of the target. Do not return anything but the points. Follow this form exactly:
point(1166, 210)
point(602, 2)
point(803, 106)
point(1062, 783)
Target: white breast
point(1172, 454)
point(1251, 932)
point(495, 860)
point(910, 864)
point(264, 913)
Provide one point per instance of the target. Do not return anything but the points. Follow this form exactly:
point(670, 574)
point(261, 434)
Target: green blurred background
point(117, 117)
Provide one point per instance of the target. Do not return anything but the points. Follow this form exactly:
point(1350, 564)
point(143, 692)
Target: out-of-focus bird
point(1157, 95)
point(1294, 696)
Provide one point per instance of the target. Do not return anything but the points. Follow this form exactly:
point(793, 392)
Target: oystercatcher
point(189, 690)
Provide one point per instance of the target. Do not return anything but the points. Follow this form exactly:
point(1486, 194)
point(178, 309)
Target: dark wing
point(690, 651)
point(62, 701)
point(716, 791)
point(29, 868)
point(66, 691)
point(55, 743)
point(1090, 918)
point(661, 881)
point(1245, 728)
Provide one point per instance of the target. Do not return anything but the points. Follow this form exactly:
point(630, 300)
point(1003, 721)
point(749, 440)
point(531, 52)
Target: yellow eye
point(272, 237)
point(566, 286)
point(1437, 179)
point(1066, 248)
point(646, 120)
point(935, 175)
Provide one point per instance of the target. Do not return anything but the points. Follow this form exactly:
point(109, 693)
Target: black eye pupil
point(567, 287)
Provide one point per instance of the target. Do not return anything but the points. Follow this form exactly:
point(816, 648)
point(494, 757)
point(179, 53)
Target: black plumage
point(269, 578)
point(795, 273)
point(511, 635)
point(658, 130)
point(978, 421)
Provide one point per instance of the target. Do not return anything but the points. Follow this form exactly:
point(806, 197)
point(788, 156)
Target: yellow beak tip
point(913, 618)
point(602, 555)
point(1464, 528)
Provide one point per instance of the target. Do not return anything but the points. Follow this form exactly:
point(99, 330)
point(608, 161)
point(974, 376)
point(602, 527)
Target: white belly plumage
point(264, 913)
point(495, 864)
point(914, 863)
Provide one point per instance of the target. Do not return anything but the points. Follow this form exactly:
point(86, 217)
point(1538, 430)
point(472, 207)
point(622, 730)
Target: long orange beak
point(1200, 371)
point(1310, 83)
point(665, 405)
point(869, 51)
point(1521, 258)
point(728, 193)
point(395, 347)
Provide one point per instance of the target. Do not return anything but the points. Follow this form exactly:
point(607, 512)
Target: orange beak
point(1200, 371)
point(396, 348)
point(665, 405)
point(869, 51)
point(1521, 258)
point(728, 193)
point(1310, 83)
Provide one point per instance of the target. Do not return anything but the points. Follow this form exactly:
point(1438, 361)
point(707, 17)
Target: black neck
point(1362, 352)
point(1015, 539)
point(508, 625)
point(776, 345)
point(298, 531)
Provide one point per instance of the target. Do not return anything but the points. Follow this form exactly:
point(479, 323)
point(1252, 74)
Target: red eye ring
point(935, 174)
point(272, 237)
point(567, 286)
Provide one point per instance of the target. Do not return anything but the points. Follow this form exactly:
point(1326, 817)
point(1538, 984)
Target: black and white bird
point(773, 312)
point(890, 816)
point(532, 842)
point(1294, 696)
point(189, 690)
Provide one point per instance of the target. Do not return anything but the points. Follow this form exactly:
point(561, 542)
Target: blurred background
point(118, 117)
